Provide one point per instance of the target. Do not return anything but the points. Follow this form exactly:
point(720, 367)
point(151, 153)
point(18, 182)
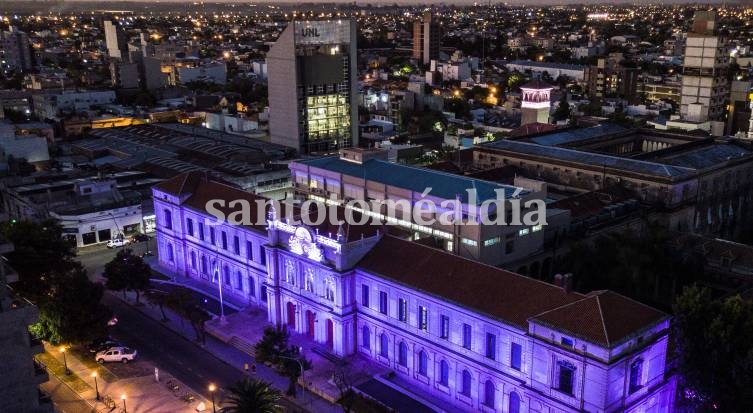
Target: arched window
point(384, 345)
point(514, 404)
point(444, 373)
point(465, 384)
point(423, 363)
point(193, 259)
point(489, 393)
point(251, 287)
point(565, 377)
point(226, 275)
point(365, 337)
point(239, 280)
point(636, 373)
point(402, 355)
point(204, 268)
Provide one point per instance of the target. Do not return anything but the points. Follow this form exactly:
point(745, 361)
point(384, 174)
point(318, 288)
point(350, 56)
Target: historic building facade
point(479, 337)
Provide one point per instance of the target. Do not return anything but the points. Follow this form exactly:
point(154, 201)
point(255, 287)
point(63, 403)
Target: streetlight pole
point(123, 397)
point(212, 388)
point(303, 376)
point(96, 386)
point(219, 284)
point(65, 362)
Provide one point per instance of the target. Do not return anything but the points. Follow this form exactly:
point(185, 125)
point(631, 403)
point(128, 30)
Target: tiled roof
point(443, 185)
point(537, 84)
point(203, 188)
point(707, 156)
point(495, 292)
point(602, 317)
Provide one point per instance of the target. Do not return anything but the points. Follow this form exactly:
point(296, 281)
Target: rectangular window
point(469, 242)
point(516, 353)
point(236, 245)
point(224, 240)
point(262, 256)
point(567, 342)
point(523, 232)
point(491, 346)
point(423, 318)
point(566, 376)
point(509, 247)
point(444, 327)
point(402, 312)
point(467, 336)
point(263, 293)
point(382, 302)
point(239, 281)
point(365, 295)
point(491, 241)
point(249, 250)
point(201, 231)
point(189, 226)
point(211, 236)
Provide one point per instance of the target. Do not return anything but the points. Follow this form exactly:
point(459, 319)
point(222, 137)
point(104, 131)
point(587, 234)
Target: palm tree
point(252, 396)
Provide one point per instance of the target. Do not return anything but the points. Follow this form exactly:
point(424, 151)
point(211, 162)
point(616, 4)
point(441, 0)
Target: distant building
point(536, 102)
point(57, 105)
point(739, 106)
point(652, 91)
point(705, 87)
point(312, 86)
point(610, 78)
point(15, 50)
point(124, 75)
point(696, 183)
point(575, 72)
point(215, 72)
point(31, 147)
point(116, 41)
point(426, 39)
point(22, 375)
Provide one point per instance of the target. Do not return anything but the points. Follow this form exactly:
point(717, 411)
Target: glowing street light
point(65, 361)
point(123, 398)
point(212, 388)
point(96, 386)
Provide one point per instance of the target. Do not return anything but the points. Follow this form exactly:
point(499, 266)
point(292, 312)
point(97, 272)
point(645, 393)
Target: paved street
point(173, 353)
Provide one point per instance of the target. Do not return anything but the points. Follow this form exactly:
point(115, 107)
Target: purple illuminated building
point(479, 337)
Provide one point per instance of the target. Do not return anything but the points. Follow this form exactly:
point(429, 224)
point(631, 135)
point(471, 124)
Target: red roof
point(498, 293)
point(602, 317)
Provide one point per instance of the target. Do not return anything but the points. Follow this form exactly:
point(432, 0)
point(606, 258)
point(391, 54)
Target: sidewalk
point(233, 356)
point(142, 393)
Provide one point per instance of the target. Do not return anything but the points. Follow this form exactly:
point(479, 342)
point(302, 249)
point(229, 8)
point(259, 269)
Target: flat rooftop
point(443, 185)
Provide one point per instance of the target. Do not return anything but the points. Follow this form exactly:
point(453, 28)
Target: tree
point(39, 251)
point(69, 303)
point(563, 109)
point(344, 383)
point(714, 348)
point(273, 349)
point(253, 396)
point(127, 272)
point(640, 265)
point(182, 302)
point(158, 298)
point(73, 313)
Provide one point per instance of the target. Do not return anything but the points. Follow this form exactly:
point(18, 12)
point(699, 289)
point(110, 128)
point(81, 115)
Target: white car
point(115, 243)
point(121, 354)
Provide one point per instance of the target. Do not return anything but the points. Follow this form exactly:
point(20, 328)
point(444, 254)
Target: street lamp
point(65, 361)
point(212, 388)
point(303, 377)
point(96, 386)
point(123, 397)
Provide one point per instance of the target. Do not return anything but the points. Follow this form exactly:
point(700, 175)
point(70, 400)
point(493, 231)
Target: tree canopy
point(714, 348)
point(252, 396)
point(127, 272)
point(70, 308)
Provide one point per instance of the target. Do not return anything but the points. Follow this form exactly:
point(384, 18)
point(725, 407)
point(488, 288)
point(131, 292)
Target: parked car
point(102, 344)
point(117, 354)
point(118, 242)
point(140, 238)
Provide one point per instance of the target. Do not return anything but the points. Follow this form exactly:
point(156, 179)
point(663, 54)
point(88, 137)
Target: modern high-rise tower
point(705, 82)
point(312, 86)
point(426, 39)
point(15, 49)
point(115, 39)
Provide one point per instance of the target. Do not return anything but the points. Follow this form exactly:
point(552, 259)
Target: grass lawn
point(57, 368)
